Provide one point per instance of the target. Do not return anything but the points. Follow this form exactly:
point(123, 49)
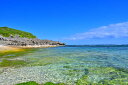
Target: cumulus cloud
point(113, 30)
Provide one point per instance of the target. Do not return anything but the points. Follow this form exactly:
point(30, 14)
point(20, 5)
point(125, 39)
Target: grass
point(6, 32)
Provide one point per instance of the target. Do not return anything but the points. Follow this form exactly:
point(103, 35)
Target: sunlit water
point(68, 65)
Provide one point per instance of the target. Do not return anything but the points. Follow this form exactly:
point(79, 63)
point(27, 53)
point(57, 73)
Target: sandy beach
point(20, 48)
point(8, 48)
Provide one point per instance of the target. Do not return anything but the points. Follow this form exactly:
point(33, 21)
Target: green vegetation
point(8, 59)
point(6, 32)
point(12, 63)
point(50, 83)
point(34, 83)
point(67, 67)
point(13, 54)
point(28, 83)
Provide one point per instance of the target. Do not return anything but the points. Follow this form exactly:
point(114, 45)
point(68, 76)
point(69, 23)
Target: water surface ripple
point(69, 65)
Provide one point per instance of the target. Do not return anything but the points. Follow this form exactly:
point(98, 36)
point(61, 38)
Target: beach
point(8, 48)
point(20, 48)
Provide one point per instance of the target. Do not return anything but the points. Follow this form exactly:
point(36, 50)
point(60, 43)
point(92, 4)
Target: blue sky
point(69, 21)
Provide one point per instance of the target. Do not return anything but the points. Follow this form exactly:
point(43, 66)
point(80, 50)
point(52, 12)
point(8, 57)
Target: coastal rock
point(19, 41)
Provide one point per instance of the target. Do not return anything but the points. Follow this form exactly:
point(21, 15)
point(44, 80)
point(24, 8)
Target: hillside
point(6, 32)
point(13, 37)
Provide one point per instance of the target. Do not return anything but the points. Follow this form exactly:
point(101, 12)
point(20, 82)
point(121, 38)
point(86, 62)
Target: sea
point(71, 65)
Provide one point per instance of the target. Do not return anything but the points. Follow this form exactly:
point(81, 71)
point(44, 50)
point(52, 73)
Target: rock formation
point(19, 41)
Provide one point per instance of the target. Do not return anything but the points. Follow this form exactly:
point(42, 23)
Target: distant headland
point(17, 38)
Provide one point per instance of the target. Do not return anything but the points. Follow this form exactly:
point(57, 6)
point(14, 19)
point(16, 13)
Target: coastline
point(8, 48)
point(37, 46)
point(20, 48)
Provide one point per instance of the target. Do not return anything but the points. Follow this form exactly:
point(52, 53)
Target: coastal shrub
point(12, 63)
point(6, 32)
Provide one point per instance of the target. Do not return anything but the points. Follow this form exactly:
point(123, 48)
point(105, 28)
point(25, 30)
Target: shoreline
point(8, 48)
point(37, 46)
point(20, 48)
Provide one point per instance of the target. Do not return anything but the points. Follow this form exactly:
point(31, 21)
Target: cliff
point(12, 37)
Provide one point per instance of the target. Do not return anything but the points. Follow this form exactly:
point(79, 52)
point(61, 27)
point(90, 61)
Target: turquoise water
point(72, 65)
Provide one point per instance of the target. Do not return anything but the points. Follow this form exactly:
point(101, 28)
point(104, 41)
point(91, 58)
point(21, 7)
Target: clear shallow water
point(72, 65)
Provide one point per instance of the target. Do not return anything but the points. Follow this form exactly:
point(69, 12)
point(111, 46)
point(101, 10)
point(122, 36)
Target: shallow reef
point(71, 66)
point(45, 61)
point(21, 52)
point(104, 76)
point(95, 76)
point(12, 63)
point(13, 59)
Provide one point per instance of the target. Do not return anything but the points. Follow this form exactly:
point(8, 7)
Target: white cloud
point(114, 30)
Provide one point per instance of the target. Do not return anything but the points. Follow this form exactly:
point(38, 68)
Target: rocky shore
point(16, 41)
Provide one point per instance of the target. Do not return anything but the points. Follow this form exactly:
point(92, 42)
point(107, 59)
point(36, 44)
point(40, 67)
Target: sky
point(76, 22)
